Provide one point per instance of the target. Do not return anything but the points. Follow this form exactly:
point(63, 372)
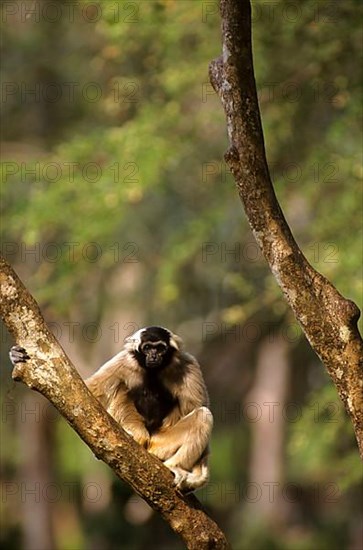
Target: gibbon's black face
point(154, 350)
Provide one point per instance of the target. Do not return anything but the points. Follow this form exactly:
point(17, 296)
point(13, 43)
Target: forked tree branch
point(328, 319)
point(50, 372)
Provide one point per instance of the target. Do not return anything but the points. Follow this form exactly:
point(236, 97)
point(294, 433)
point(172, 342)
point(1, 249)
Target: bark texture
point(50, 372)
point(328, 319)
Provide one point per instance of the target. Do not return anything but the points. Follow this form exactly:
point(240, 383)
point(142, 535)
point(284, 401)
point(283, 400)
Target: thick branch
point(50, 372)
point(328, 319)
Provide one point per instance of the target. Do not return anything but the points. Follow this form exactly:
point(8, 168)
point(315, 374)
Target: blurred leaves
point(115, 198)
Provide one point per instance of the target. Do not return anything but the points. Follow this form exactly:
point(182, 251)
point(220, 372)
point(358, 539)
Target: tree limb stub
point(328, 319)
point(50, 372)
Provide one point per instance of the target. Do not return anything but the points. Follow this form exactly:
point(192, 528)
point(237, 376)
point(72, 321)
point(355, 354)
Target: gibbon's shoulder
point(124, 367)
point(190, 361)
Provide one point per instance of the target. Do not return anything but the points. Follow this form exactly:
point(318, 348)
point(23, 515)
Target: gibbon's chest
point(152, 400)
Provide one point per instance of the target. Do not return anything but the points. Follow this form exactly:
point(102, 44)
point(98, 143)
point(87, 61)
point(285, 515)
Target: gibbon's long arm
point(109, 386)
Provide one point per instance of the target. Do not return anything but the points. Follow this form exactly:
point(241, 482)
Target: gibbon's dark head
point(153, 347)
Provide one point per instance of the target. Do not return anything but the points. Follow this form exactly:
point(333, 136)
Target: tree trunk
point(328, 319)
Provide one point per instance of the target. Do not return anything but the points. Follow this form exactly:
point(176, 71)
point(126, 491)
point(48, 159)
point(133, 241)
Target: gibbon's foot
point(187, 482)
point(180, 477)
point(18, 354)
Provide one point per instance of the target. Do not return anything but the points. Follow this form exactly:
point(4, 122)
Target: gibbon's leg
point(184, 448)
point(181, 446)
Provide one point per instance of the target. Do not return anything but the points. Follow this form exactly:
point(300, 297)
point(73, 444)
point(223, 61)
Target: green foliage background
point(128, 155)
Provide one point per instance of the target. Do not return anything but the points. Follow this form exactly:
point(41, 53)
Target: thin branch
point(328, 319)
point(50, 372)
